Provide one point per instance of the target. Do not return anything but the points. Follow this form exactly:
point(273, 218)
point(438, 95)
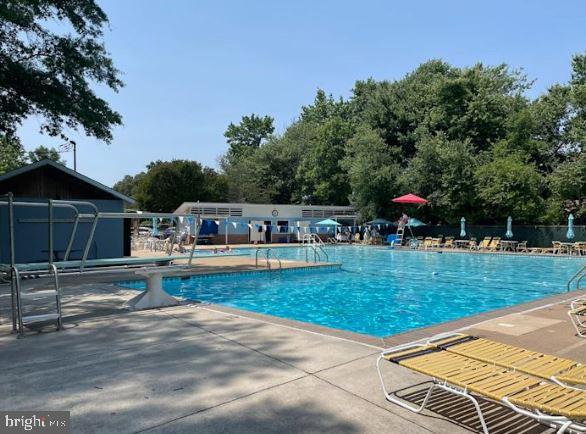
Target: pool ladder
point(318, 251)
point(19, 297)
point(576, 279)
point(267, 254)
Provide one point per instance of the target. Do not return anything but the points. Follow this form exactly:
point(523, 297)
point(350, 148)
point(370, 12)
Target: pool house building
point(239, 223)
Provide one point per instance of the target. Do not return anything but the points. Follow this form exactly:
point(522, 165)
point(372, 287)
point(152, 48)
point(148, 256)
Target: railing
point(576, 279)
point(267, 254)
point(315, 243)
point(17, 308)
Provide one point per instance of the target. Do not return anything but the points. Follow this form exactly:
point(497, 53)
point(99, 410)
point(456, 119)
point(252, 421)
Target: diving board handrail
point(15, 270)
point(92, 230)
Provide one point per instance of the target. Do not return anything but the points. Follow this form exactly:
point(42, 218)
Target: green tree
point(52, 74)
point(320, 175)
point(508, 185)
point(372, 169)
point(443, 172)
point(12, 153)
point(166, 185)
point(42, 153)
point(129, 184)
point(568, 186)
point(247, 136)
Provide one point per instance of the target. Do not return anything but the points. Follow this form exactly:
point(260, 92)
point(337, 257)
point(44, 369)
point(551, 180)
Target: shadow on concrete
point(459, 410)
point(266, 416)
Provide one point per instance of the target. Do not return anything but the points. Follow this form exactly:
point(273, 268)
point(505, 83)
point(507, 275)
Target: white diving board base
point(154, 296)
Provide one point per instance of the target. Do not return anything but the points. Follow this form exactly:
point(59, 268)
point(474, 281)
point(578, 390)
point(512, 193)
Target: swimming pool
point(381, 292)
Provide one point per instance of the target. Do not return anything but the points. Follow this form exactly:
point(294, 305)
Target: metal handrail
point(17, 324)
point(317, 245)
point(267, 253)
point(580, 274)
point(17, 316)
point(279, 261)
point(324, 252)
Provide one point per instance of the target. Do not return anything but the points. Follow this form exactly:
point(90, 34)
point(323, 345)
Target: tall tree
point(129, 184)
point(12, 153)
point(42, 153)
point(247, 136)
point(52, 74)
point(166, 185)
point(443, 171)
point(373, 168)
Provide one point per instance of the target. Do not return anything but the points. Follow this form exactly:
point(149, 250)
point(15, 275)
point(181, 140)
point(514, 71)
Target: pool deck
point(206, 368)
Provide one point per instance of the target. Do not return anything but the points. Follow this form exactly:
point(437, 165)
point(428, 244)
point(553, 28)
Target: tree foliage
point(467, 139)
point(167, 184)
point(247, 136)
point(52, 74)
point(12, 153)
point(44, 153)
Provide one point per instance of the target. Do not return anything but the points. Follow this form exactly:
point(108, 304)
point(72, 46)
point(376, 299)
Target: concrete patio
point(199, 368)
point(206, 368)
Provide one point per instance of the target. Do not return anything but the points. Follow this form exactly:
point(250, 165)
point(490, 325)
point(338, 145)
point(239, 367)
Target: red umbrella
point(409, 198)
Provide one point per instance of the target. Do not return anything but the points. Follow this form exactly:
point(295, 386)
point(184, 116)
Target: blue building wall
point(31, 233)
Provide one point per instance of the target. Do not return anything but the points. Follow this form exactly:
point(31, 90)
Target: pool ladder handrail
point(314, 242)
point(576, 278)
point(267, 254)
point(17, 310)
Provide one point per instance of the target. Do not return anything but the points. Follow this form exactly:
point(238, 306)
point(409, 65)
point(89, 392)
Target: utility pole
point(74, 157)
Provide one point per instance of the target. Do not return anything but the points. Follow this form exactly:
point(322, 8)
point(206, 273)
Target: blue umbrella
point(155, 230)
point(570, 234)
point(462, 227)
point(509, 233)
point(414, 223)
point(329, 222)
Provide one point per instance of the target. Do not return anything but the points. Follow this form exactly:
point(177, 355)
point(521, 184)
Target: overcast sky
point(192, 67)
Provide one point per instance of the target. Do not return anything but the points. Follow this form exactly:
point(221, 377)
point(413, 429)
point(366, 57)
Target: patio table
point(509, 245)
point(567, 248)
point(462, 243)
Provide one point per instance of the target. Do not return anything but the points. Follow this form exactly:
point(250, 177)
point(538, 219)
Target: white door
point(257, 234)
point(302, 229)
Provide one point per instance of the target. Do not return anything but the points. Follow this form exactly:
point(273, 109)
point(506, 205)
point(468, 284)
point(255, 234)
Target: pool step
point(46, 317)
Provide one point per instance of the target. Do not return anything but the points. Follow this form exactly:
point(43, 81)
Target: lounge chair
point(483, 244)
point(427, 243)
point(522, 247)
point(449, 243)
point(580, 248)
point(555, 404)
point(548, 367)
point(494, 244)
point(577, 314)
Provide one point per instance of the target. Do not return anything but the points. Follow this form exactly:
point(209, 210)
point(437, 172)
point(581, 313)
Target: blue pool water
point(380, 292)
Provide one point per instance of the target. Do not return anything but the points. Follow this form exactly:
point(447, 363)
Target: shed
point(46, 179)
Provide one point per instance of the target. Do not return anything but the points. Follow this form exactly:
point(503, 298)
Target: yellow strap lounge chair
point(449, 243)
point(494, 244)
point(427, 243)
point(559, 370)
point(554, 404)
point(483, 245)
